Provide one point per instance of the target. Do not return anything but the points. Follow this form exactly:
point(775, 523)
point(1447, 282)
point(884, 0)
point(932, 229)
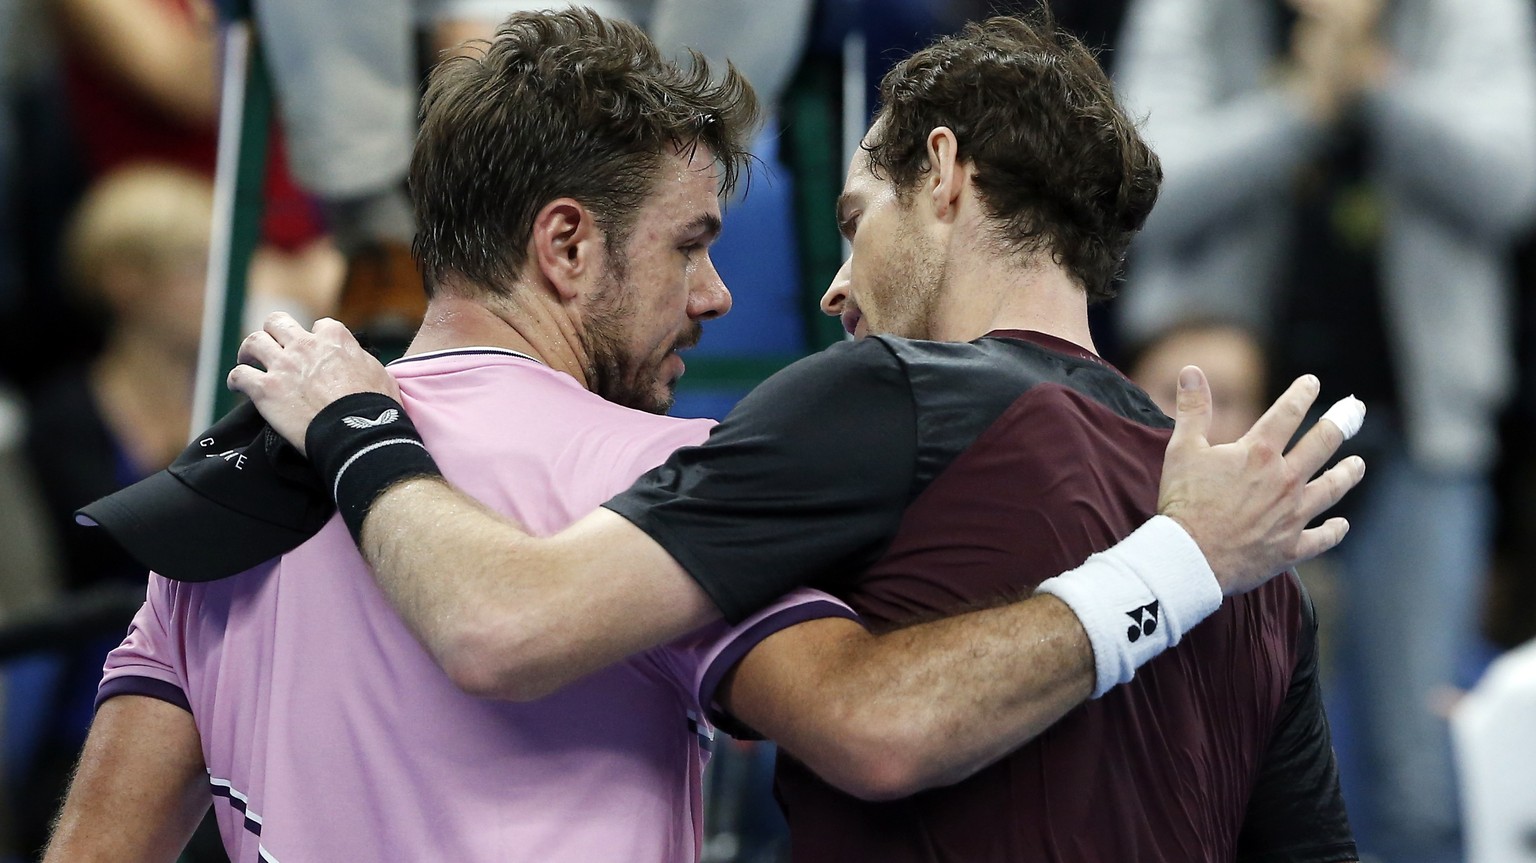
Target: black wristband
point(362, 444)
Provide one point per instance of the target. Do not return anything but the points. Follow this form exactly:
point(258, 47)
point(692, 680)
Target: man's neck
point(995, 293)
point(540, 330)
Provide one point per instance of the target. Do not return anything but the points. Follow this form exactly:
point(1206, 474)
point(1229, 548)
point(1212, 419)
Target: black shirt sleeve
point(804, 482)
point(1296, 813)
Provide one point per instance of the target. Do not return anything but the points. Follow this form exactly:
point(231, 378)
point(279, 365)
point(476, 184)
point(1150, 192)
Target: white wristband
point(1138, 598)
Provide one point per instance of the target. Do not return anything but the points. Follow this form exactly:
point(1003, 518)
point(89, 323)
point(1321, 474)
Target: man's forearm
point(1018, 669)
point(884, 716)
point(513, 616)
point(889, 715)
point(140, 787)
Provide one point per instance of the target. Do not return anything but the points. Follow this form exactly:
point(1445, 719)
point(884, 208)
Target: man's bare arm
point(140, 788)
point(885, 716)
point(515, 616)
point(510, 616)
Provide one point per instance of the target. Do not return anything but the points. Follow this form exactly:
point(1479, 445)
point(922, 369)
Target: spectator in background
point(762, 40)
point(1346, 176)
point(142, 80)
point(347, 81)
point(136, 250)
point(1232, 359)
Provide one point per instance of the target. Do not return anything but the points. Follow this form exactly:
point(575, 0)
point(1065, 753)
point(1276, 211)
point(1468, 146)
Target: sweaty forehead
point(692, 177)
point(695, 161)
point(684, 198)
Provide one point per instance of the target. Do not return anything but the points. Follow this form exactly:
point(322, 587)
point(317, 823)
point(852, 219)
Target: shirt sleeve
point(149, 661)
point(707, 656)
point(1296, 813)
point(803, 483)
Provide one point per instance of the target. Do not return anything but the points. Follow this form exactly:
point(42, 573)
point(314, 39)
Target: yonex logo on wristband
point(1145, 623)
point(1158, 578)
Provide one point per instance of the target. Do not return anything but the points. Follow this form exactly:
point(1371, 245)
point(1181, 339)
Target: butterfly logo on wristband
point(385, 418)
point(1145, 621)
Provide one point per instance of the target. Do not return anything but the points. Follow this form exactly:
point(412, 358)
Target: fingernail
point(1189, 378)
point(1348, 414)
point(1312, 382)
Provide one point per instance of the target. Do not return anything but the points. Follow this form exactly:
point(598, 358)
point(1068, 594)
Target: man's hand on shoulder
point(291, 374)
point(1247, 504)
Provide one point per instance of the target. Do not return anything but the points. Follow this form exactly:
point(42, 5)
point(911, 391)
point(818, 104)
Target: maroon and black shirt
point(915, 479)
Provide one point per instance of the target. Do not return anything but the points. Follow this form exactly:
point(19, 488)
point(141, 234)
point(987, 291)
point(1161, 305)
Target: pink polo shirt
point(329, 733)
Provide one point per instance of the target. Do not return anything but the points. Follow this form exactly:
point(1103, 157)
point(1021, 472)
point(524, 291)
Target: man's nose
point(837, 294)
point(709, 298)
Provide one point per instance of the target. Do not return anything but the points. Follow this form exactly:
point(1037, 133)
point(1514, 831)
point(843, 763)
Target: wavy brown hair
point(1059, 165)
point(558, 104)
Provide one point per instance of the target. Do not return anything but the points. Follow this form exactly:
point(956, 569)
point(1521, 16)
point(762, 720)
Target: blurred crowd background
point(1350, 190)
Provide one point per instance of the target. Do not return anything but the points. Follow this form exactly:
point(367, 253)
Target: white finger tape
point(1348, 414)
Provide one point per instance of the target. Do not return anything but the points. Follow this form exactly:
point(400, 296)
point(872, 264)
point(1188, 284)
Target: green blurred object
point(245, 227)
point(728, 373)
point(245, 118)
point(812, 150)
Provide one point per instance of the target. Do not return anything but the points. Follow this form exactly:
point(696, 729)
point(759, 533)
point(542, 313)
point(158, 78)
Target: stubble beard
point(915, 284)
point(612, 372)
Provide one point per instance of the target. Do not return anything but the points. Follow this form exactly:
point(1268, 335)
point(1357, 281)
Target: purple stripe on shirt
point(219, 788)
point(147, 686)
point(755, 634)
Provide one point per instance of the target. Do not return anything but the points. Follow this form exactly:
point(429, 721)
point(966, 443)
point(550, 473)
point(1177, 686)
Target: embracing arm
point(139, 790)
point(512, 616)
point(515, 616)
point(886, 716)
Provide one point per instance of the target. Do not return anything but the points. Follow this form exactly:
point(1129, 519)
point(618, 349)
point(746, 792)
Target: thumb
point(1192, 416)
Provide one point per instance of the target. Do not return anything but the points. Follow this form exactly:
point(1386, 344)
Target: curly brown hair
point(1059, 165)
point(558, 104)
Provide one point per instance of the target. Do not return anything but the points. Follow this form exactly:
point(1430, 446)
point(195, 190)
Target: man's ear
point(567, 246)
point(947, 176)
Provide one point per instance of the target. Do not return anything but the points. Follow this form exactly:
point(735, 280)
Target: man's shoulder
point(844, 370)
point(1018, 359)
point(1008, 370)
point(885, 355)
point(532, 441)
point(606, 419)
point(511, 394)
point(852, 357)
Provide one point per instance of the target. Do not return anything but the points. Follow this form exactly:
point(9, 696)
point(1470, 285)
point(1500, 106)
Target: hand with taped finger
point(1248, 504)
point(291, 374)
